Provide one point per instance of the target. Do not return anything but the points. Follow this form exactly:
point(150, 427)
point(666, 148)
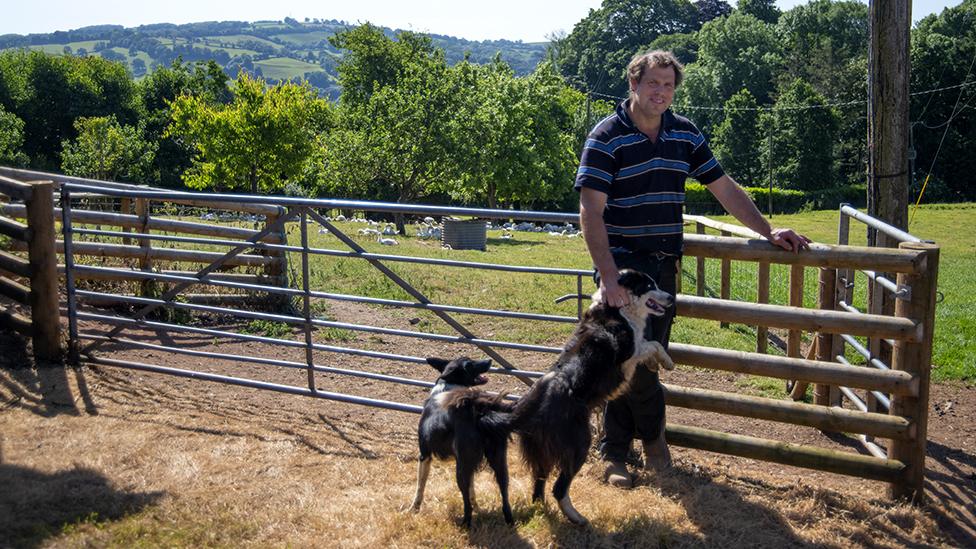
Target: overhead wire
point(955, 112)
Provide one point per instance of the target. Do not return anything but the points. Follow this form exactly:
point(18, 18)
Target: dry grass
point(120, 459)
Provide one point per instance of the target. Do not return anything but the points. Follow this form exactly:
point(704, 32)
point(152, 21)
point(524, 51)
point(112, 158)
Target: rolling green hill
point(277, 50)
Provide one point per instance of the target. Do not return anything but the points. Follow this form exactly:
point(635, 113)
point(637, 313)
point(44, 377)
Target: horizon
point(476, 23)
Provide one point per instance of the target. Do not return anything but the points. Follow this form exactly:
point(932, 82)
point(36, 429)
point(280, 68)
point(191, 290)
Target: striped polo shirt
point(645, 181)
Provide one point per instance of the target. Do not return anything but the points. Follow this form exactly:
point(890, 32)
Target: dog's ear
point(438, 363)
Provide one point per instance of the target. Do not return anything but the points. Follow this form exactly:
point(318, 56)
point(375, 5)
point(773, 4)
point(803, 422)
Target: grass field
point(954, 352)
point(284, 68)
point(305, 38)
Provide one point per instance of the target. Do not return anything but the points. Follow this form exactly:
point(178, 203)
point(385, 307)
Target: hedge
point(698, 200)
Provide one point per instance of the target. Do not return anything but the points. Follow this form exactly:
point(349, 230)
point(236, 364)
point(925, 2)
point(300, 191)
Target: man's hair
point(657, 58)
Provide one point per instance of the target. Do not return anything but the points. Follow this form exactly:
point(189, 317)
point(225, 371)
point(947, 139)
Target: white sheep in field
point(368, 232)
point(427, 232)
point(388, 241)
point(390, 230)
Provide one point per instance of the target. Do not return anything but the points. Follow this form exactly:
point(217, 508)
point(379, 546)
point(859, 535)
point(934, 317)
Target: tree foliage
point(258, 142)
point(11, 139)
point(593, 56)
point(157, 91)
point(397, 118)
point(48, 93)
point(804, 137)
point(738, 138)
point(943, 54)
point(763, 10)
point(518, 146)
point(108, 151)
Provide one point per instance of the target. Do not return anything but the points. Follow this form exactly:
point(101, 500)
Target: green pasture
point(304, 38)
point(949, 226)
point(58, 49)
point(235, 39)
point(284, 68)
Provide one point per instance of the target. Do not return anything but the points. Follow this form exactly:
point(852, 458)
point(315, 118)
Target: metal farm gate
point(894, 408)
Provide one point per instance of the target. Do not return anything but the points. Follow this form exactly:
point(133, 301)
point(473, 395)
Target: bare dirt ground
point(101, 456)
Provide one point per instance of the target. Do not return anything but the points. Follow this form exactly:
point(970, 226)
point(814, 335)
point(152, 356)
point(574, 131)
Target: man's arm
point(737, 202)
point(592, 204)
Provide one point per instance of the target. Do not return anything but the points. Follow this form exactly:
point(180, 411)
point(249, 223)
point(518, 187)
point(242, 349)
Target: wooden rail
point(36, 237)
point(907, 328)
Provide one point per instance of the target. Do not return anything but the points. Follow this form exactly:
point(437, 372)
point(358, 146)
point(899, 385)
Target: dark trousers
point(639, 413)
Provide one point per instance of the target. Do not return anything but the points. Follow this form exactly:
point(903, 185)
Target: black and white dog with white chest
point(464, 423)
point(596, 365)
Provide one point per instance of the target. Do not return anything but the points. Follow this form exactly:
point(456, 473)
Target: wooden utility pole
point(889, 23)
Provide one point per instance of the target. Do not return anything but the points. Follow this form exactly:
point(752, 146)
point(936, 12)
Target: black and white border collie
point(467, 424)
point(596, 365)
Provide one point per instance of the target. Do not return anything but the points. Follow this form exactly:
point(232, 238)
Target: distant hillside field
point(286, 50)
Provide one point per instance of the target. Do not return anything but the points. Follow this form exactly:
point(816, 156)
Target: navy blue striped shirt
point(645, 181)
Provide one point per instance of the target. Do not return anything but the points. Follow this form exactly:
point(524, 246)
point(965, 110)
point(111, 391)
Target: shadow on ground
point(35, 506)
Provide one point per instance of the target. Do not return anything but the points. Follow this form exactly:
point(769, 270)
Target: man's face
point(655, 92)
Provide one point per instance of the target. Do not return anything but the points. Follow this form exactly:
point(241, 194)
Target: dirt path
point(151, 448)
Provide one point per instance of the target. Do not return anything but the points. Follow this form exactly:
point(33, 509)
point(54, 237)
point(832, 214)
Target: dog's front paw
point(666, 362)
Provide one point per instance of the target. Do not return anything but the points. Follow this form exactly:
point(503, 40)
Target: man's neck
point(649, 126)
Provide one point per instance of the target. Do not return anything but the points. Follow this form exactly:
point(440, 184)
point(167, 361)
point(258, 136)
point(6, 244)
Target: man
point(631, 184)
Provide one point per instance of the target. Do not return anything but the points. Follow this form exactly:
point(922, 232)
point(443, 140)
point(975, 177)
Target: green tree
point(259, 142)
point(518, 143)
point(741, 52)
point(820, 41)
point(804, 136)
point(11, 139)
point(763, 10)
point(108, 151)
point(594, 55)
point(397, 117)
point(49, 92)
point(699, 98)
point(943, 48)
point(157, 91)
point(737, 139)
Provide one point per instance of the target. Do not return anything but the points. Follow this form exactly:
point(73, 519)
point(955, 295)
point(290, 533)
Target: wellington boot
point(616, 475)
point(657, 456)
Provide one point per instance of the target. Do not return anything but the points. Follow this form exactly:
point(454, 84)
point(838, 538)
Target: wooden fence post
point(796, 300)
point(277, 270)
point(700, 264)
point(726, 290)
point(825, 341)
point(916, 359)
point(45, 316)
point(145, 262)
point(762, 296)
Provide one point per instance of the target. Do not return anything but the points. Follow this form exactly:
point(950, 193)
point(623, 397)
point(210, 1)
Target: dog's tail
point(491, 414)
point(495, 417)
point(527, 407)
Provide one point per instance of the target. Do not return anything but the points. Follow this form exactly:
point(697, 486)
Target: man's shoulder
point(682, 123)
point(609, 128)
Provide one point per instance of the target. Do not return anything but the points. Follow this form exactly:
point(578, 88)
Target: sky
point(526, 20)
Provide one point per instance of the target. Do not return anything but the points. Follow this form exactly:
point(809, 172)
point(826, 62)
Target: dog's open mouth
point(480, 380)
point(655, 307)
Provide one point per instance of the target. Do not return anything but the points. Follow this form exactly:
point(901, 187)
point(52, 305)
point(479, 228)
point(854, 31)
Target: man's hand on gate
point(789, 240)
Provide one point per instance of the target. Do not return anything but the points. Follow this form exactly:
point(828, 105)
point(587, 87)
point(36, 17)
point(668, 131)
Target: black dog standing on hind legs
point(596, 365)
point(467, 424)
